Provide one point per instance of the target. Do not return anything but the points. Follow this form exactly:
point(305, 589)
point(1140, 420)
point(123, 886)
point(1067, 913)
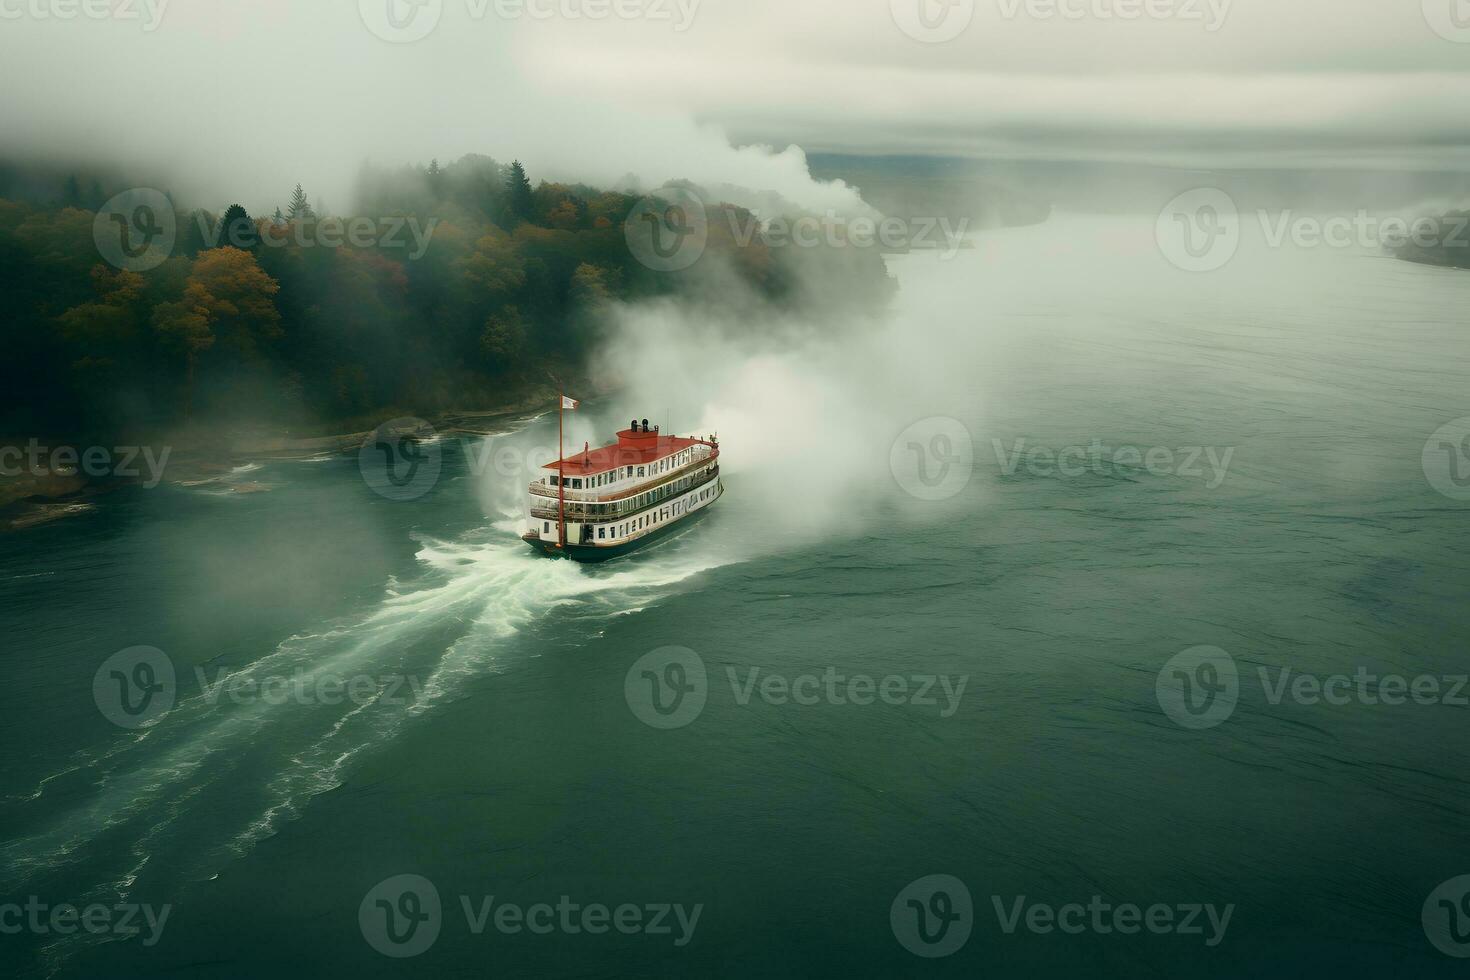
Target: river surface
point(896, 520)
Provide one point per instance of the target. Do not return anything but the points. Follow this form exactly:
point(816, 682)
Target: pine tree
point(279, 218)
point(299, 209)
point(518, 187)
point(236, 229)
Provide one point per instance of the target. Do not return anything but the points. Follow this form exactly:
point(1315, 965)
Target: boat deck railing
point(702, 457)
point(578, 511)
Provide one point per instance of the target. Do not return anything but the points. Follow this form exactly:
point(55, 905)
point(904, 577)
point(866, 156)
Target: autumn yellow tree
point(228, 300)
point(495, 265)
point(589, 287)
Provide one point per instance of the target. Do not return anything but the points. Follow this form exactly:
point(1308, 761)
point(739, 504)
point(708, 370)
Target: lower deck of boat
point(592, 554)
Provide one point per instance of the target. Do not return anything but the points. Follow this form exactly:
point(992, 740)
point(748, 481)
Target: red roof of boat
point(633, 448)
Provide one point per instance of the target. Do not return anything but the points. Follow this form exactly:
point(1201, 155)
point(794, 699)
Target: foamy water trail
point(445, 631)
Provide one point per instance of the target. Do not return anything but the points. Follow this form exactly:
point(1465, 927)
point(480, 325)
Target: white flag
point(570, 404)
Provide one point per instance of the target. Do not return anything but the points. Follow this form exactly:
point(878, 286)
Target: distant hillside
point(452, 286)
point(1448, 245)
point(932, 187)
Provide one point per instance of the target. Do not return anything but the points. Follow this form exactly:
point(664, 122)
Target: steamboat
point(604, 503)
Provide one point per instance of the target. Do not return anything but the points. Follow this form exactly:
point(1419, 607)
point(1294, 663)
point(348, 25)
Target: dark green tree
point(522, 200)
point(236, 229)
point(503, 341)
point(299, 209)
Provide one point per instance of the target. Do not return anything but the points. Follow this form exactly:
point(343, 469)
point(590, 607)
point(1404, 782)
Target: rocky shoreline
point(31, 499)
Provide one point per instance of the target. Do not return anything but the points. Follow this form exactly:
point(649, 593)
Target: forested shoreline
point(1448, 244)
point(461, 286)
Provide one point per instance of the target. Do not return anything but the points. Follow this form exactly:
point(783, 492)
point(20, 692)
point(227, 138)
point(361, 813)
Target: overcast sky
point(245, 97)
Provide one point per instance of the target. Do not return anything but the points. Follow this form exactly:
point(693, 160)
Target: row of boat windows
point(638, 502)
point(625, 473)
point(677, 509)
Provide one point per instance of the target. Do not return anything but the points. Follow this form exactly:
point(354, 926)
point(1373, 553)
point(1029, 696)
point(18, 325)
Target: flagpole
point(561, 476)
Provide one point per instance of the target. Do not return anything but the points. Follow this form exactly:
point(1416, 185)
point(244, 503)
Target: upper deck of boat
point(638, 461)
